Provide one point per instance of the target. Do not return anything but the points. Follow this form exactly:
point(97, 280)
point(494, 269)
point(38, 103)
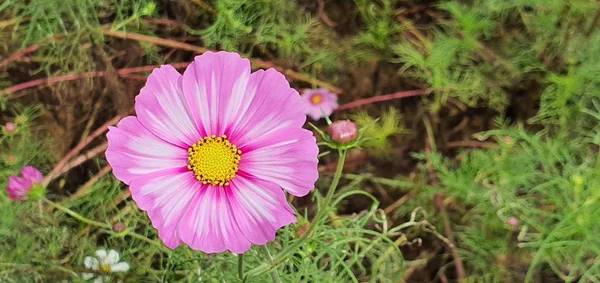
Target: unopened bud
point(508, 141)
point(11, 159)
point(302, 230)
point(10, 127)
point(343, 131)
point(513, 222)
point(118, 227)
point(577, 180)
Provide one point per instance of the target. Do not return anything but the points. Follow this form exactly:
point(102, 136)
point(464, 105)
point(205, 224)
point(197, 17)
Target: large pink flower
point(210, 151)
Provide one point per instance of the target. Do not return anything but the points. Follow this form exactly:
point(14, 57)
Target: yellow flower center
point(316, 99)
point(214, 160)
point(105, 268)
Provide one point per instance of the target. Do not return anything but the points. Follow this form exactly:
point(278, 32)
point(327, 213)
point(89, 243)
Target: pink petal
point(315, 113)
point(259, 208)
point(271, 105)
point(214, 88)
point(161, 109)
point(18, 187)
point(287, 158)
point(209, 224)
point(135, 152)
point(166, 197)
point(32, 174)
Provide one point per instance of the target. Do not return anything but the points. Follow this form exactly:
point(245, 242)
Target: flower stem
point(241, 266)
point(321, 214)
point(274, 273)
point(147, 240)
point(102, 225)
point(336, 179)
point(323, 211)
point(76, 215)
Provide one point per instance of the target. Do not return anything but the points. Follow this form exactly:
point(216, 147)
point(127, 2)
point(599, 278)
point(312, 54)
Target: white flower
point(105, 262)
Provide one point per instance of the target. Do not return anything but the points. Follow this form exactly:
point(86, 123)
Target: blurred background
point(488, 130)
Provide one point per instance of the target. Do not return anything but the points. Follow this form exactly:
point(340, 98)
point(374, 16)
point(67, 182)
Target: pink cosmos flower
point(319, 103)
point(18, 188)
point(211, 150)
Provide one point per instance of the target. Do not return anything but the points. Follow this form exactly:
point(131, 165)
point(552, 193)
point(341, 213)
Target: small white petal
point(87, 261)
point(87, 276)
point(101, 255)
point(91, 263)
point(98, 280)
point(112, 258)
point(120, 267)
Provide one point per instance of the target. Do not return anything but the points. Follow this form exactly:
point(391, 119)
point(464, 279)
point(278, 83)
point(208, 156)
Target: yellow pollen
point(105, 268)
point(214, 160)
point(316, 99)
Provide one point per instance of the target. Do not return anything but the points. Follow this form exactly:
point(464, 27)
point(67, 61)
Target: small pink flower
point(319, 103)
point(343, 131)
point(10, 127)
point(211, 150)
point(18, 188)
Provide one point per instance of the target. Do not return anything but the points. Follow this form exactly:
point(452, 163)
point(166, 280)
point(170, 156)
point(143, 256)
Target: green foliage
point(272, 26)
point(378, 131)
point(69, 31)
point(41, 243)
point(530, 202)
point(522, 208)
point(381, 29)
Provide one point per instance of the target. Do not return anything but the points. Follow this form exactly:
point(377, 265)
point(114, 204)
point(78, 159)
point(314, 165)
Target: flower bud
point(343, 131)
point(10, 128)
point(513, 222)
point(302, 230)
point(11, 159)
point(118, 227)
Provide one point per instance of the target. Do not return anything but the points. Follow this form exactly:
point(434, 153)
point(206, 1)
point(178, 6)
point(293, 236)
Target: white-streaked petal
point(88, 262)
point(87, 276)
point(112, 257)
point(101, 255)
point(120, 267)
point(91, 263)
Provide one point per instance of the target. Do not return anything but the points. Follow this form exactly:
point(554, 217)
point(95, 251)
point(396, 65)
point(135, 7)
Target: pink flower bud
point(118, 227)
point(10, 127)
point(513, 222)
point(343, 131)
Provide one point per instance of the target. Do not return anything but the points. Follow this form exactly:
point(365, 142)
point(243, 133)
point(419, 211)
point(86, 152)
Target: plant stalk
point(241, 266)
point(321, 214)
point(76, 215)
point(274, 273)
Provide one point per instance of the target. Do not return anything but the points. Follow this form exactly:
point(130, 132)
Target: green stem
point(103, 225)
point(241, 266)
point(274, 273)
point(321, 214)
point(336, 178)
point(149, 241)
point(76, 215)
